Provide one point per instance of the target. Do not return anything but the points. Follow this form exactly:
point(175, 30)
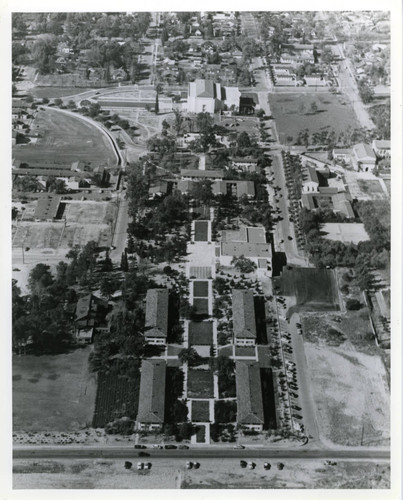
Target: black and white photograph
point(201, 249)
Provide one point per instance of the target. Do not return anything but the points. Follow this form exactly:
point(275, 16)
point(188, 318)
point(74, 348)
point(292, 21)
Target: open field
point(351, 395)
point(217, 474)
point(292, 113)
point(54, 92)
point(85, 221)
point(200, 411)
point(200, 384)
point(372, 188)
point(53, 392)
point(315, 289)
point(67, 139)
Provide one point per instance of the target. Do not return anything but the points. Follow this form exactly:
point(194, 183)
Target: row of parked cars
point(266, 465)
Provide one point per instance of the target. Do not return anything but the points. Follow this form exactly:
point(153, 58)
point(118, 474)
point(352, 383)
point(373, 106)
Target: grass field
point(334, 112)
point(315, 289)
point(53, 393)
point(200, 288)
point(200, 411)
point(54, 92)
point(201, 231)
point(201, 306)
point(351, 395)
point(200, 384)
point(66, 138)
point(372, 188)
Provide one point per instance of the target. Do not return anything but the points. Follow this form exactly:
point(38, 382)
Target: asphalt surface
point(211, 452)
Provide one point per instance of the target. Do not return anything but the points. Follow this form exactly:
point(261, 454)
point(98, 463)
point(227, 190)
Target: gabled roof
point(213, 174)
point(249, 393)
point(46, 207)
point(381, 144)
point(363, 152)
point(152, 392)
point(156, 323)
point(243, 314)
point(205, 88)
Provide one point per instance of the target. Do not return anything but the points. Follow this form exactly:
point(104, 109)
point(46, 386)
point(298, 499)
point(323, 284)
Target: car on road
point(239, 447)
point(329, 462)
point(298, 325)
point(183, 447)
point(140, 447)
point(170, 447)
point(159, 446)
point(143, 454)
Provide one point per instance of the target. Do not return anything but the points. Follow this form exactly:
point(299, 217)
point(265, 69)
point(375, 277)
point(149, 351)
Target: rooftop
point(243, 314)
point(249, 393)
point(156, 323)
point(152, 392)
point(47, 207)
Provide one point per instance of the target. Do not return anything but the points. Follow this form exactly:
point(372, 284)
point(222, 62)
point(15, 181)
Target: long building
point(243, 316)
point(151, 411)
point(156, 324)
point(249, 395)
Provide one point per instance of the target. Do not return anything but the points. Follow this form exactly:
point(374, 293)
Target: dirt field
point(334, 112)
point(345, 232)
point(85, 221)
point(213, 474)
point(66, 138)
point(53, 392)
point(351, 394)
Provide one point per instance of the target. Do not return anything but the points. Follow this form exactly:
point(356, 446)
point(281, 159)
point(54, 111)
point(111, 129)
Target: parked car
point(170, 447)
point(239, 447)
point(243, 464)
point(140, 466)
point(196, 465)
point(251, 465)
point(189, 465)
point(148, 465)
point(183, 447)
point(140, 447)
point(267, 466)
point(159, 446)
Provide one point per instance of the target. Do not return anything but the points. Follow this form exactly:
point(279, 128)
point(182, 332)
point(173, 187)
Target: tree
point(40, 278)
point(43, 54)
point(45, 100)
point(124, 264)
point(243, 264)
point(202, 191)
point(189, 355)
point(186, 430)
point(58, 101)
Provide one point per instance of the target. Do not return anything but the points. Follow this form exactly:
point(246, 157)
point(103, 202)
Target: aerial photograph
point(201, 250)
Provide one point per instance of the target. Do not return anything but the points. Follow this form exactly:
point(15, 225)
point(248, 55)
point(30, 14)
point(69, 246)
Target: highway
point(211, 452)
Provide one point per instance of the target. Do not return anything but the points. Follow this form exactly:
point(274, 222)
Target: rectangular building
point(249, 395)
point(243, 317)
point(156, 324)
point(151, 411)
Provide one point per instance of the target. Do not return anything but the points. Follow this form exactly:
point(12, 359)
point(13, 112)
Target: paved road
point(210, 452)
point(120, 232)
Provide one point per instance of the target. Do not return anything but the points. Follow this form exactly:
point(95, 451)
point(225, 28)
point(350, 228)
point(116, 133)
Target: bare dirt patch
point(351, 394)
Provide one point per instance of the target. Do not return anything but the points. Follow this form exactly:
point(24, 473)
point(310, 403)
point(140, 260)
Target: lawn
point(67, 138)
point(200, 384)
point(54, 92)
point(201, 231)
point(53, 393)
point(292, 113)
point(201, 306)
point(200, 333)
point(200, 288)
point(245, 351)
point(200, 411)
point(315, 289)
point(372, 188)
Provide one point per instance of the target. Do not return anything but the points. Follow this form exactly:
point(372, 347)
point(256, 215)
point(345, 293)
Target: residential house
point(247, 163)
point(250, 413)
point(90, 317)
point(243, 317)
point(118, 75)
point(363, 157)
point(151, 409)
point(235, 188)
point(381, 148)
point(156, 322)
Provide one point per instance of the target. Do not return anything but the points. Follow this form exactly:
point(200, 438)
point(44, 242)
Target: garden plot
point(200, 411)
